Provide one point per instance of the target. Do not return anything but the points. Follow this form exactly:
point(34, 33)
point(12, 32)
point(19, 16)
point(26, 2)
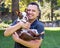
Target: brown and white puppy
point(30, 34)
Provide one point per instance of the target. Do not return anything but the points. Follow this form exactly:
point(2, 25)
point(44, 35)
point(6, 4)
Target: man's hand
point(26, 25)
point(15, 37)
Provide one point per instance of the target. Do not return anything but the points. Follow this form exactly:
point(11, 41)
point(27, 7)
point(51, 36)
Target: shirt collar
point(34, 22)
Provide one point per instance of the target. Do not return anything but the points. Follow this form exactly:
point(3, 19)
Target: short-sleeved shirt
point(35, 25)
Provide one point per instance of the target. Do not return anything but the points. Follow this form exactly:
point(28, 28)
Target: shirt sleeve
point(14, 23)
point(40, 29)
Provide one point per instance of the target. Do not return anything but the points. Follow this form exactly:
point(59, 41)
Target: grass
point(51, 40)
point(6, 42)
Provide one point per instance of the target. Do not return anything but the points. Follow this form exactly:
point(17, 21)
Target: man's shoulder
point(40, 23)
point(14, 22)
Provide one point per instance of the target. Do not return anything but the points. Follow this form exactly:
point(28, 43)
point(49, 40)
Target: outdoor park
point(50, 16)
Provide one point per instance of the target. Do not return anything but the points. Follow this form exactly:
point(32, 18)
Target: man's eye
point(33, 10)
point(28, 10)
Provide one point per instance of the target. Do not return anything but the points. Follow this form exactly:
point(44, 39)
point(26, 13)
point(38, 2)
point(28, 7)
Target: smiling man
point(33, 12)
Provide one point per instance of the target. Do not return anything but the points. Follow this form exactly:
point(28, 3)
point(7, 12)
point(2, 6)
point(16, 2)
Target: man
point(32, 14)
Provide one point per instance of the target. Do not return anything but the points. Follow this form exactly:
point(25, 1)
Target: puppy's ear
point(17, 12)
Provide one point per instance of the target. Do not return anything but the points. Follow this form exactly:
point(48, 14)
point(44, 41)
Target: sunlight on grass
point(52, 28)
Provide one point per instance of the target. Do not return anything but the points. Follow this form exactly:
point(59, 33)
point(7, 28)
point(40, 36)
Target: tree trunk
point(15, 6)
point(52, 10)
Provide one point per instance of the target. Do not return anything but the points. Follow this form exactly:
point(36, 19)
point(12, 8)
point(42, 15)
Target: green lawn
point(51, 40)
point(5, 42)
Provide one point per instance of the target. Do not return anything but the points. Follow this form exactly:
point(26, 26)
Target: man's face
point(32, 11)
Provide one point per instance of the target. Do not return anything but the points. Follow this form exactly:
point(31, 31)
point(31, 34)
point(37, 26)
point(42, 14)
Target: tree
point(53, 6)
point(58, 3)
point(15, 6)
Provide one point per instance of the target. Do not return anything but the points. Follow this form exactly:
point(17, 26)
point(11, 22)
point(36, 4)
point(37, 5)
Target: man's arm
point(10, 30)
point(30, 44)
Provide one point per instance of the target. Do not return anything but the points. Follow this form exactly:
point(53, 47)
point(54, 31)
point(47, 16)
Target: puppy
point(27, 35)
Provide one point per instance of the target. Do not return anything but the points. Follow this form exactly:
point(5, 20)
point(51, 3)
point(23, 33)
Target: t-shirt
point(35, 25)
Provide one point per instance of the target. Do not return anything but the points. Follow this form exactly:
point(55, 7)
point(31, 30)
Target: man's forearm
point(25, 43)
point(30, 44)
point(10, 30)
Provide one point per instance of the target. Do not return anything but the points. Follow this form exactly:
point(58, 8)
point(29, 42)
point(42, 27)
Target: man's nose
point(30, 11)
